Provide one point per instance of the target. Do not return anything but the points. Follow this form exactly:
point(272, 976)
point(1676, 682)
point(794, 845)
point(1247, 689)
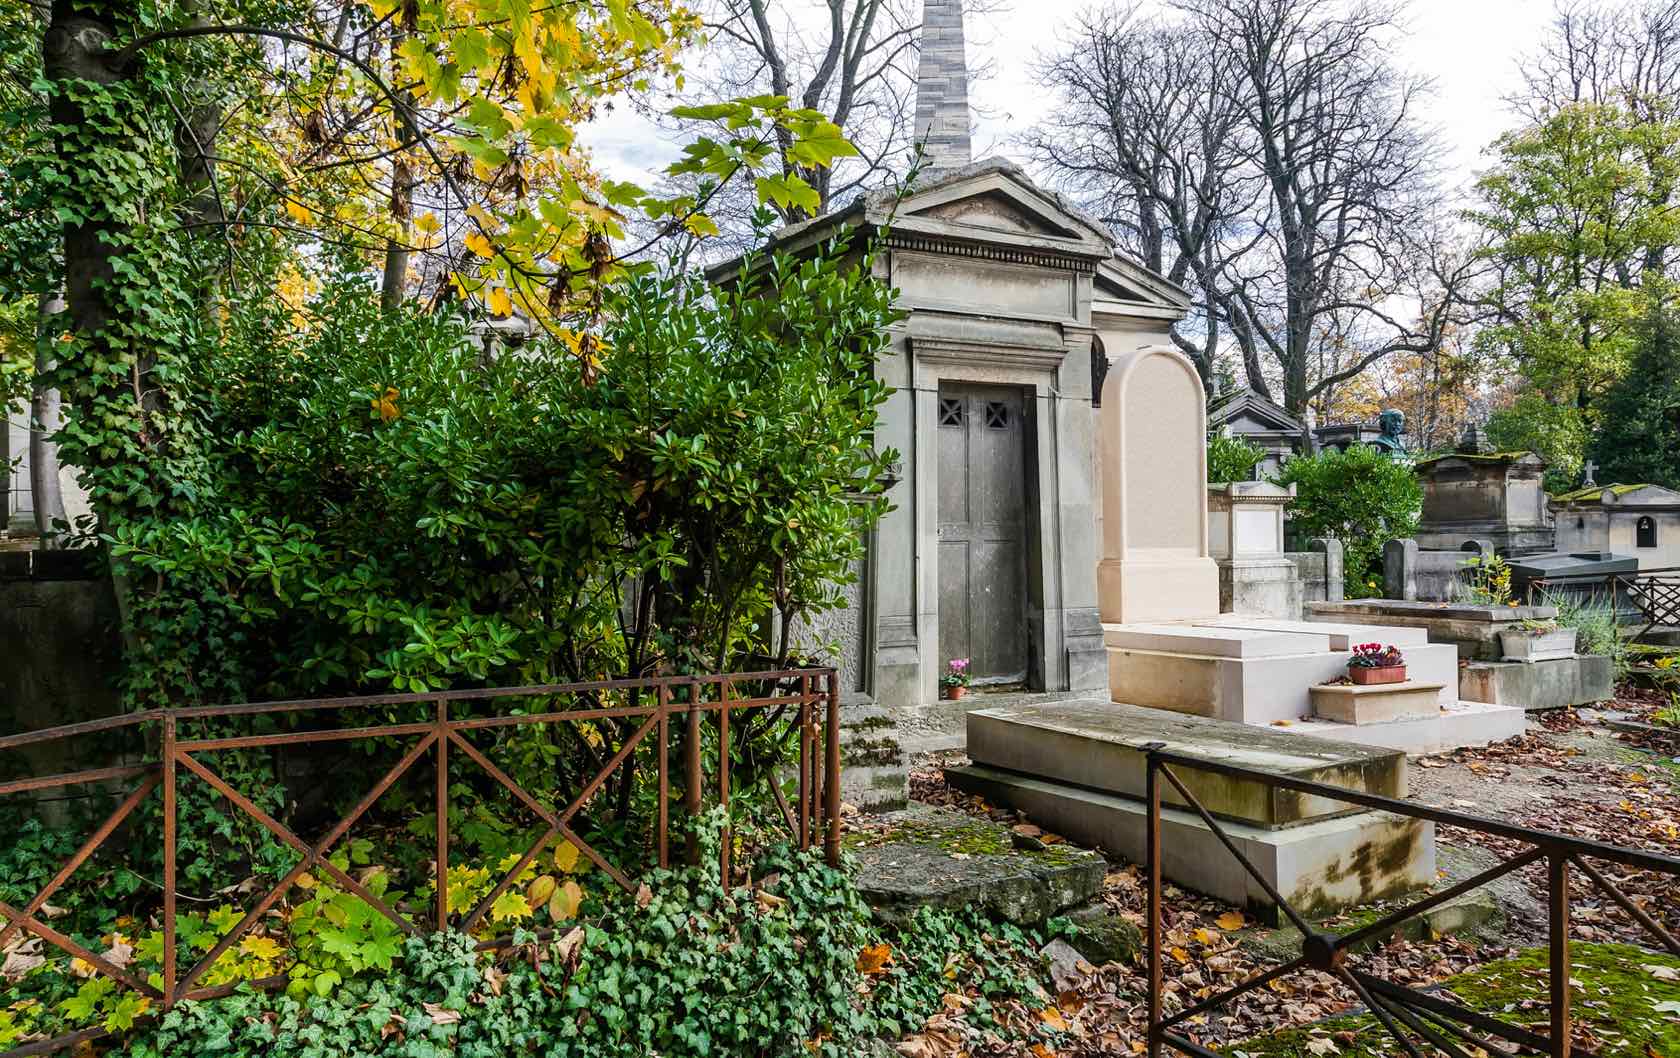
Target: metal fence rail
point(1654, 594)
point(812, 694)
point(1411, 1016)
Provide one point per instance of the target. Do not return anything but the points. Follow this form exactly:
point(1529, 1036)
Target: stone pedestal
point(1245, 539)
point(1557, 684)
point(1376, 704)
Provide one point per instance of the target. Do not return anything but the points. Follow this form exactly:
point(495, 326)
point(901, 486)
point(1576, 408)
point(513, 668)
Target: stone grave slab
point(1350, 703)
point(1214, 641)
point(1098, 745)
point(1557, 684)
point(923, 856)
point(1342, 636)
point(1319, 866)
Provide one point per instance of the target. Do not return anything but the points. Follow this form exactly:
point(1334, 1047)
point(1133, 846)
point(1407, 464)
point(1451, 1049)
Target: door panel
point(982, 530)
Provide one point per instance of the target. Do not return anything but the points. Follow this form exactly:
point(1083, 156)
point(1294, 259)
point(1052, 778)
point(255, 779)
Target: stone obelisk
point(942, 125)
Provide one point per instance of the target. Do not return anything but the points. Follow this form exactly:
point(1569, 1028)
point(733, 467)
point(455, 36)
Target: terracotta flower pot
point(1366, 676)
point(955, 693)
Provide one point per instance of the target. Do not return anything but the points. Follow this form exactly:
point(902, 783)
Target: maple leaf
point(874, 958)
point(1230, 920)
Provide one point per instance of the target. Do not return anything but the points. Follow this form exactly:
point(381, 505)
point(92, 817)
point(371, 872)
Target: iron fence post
point(728, 834)
point(169, 841)
point(1557, 864)
point(1152, 854)
point(441, 796)
point(692, 751)
point(664, 823)
point(831, 841)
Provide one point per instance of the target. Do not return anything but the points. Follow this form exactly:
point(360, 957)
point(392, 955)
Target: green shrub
point(1362, 498)
point(1231, 458)
point(684, 968)
point(1597, 630)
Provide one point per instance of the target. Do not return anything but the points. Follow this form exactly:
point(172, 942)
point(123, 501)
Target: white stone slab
point(1320, 867)
point(1214, 641)
point(1460, 725)
point(1342, 636)
point(1100, 745)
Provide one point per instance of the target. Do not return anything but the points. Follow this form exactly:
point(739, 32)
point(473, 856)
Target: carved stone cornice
point(987, 252)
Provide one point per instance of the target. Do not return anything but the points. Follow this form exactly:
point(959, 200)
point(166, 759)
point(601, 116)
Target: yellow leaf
point(541, 888)
point(478, 244)
point(1230, 920)
point(1181, 955)
point(565, 857)
point(1053, 1018)
point(426, 223)
point(500, 303)
point(564, 903)
point(874, 958)
point(298, 211)
point(261, 947)
point(305, 881)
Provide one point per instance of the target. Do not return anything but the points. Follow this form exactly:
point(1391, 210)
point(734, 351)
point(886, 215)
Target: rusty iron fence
point(1411, 1016)
point(808, 697)
point(1652, 594)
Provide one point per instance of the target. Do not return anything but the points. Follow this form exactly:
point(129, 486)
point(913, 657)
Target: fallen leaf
point(1661, 973)
point(644, 896)
point(440, 1014)
point(1053, 1018)
point(1230, 920)
point(874, 958)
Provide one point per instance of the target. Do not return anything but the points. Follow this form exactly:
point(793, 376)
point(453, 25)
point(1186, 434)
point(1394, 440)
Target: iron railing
point(1409, 1015)
point(1654, 594)
point(657, 703)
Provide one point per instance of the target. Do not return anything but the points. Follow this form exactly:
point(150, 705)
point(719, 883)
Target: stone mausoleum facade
point(1016, 301)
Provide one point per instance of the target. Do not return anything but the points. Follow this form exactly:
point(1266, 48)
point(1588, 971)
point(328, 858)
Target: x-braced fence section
point(1422, 1022)
point(686, 700)
point(1654, 593)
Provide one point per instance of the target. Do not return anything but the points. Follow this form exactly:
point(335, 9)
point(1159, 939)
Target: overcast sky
point(1470, 49)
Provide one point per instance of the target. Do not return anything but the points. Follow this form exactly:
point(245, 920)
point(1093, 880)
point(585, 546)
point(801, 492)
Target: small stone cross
point(1587, 481)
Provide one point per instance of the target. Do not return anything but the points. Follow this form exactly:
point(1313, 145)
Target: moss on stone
point(1616, 998)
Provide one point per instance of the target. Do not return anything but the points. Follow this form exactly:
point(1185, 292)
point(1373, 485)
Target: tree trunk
point(45, 419)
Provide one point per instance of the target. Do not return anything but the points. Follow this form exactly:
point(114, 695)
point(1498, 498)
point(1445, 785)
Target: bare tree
point(1300, 147)
point(1147, 133)
point(1626, 53)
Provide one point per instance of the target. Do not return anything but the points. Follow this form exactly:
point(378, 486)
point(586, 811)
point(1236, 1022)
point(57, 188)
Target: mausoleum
point(1016, 302)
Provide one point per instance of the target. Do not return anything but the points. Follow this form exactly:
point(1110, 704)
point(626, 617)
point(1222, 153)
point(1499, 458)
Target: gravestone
point(1155, 564)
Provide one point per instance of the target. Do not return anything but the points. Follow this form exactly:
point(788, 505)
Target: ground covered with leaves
point(1568, 774)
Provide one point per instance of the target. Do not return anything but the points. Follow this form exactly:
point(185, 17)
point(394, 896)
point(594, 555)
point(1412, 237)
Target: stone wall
point(1320, 569)
point(60, 638)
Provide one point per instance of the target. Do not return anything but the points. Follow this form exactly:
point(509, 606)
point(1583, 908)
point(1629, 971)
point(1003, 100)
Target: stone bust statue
point(1392, 423)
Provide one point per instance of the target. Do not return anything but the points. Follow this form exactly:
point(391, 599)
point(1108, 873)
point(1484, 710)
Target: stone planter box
point(1366, 677)
point(1519, 645)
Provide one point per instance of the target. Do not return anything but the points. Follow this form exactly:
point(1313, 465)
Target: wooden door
point(982, 530)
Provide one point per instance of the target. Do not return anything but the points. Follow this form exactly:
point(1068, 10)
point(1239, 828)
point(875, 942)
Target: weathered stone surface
point(1341, 636)
point(1479, 915)
point(1463, 723)
point(1319, 866)
point(1473, 629)
point(1351, 703)
point(1105, 936)
point(874, 775)
point(1553, 684)
point(935, 857)
point(1100, 745)
point(1215, 641)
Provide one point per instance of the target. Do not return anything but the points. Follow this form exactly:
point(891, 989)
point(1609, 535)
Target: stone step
point(1378, 703)
point(1460, 725)
point(1213, 641)
point(1253, 690)
point(1319, 867)
point(1342, 636)
point(1099, 745)
point(1556, 684)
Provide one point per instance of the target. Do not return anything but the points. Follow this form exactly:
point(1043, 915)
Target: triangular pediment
point(998, 212)
point(992, 202)
point(1248, 406)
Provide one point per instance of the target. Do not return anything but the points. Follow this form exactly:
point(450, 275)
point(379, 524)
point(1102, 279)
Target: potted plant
point(1537, 640)
point(1376, 663)
point(955, 680)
